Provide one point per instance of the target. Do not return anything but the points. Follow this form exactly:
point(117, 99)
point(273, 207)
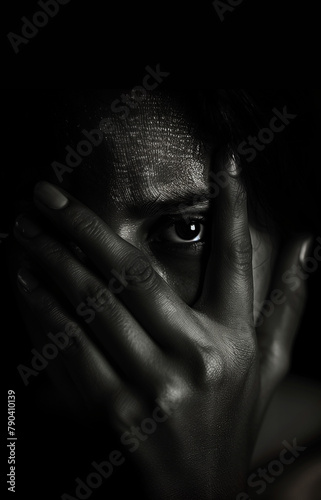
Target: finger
point(56, 371)
point(59, 391)
point(277, 332)
point(95, 378)
point(228, 287)
point(113, 326)
point(154, 303)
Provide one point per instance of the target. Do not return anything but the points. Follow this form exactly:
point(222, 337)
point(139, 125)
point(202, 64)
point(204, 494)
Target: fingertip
point(305, 249)
point(232, 165)
point(50, 196)
point(26, 280)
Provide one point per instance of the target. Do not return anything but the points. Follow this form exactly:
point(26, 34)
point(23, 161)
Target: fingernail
point(27, 227)
point(50, 196)
point(27, 280)
point(232, 165)
point(306, 249)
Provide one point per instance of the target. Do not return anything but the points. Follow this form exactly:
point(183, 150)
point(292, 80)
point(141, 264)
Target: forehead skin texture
point(157, 153)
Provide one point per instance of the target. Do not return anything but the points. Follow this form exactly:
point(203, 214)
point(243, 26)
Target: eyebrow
point(183, 202)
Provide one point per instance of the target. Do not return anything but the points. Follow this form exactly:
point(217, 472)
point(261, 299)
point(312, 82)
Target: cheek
point(263, 260)
point(184, 275)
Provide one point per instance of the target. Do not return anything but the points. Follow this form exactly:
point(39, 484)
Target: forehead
point(156, 151)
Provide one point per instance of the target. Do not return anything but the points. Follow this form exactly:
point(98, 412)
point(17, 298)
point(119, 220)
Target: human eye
point(186, 233)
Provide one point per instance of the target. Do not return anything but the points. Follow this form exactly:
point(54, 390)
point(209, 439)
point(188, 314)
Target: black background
point(27, 137)
point(107, 44)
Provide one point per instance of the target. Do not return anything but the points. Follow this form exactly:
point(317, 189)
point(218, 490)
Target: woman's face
point(150, 183)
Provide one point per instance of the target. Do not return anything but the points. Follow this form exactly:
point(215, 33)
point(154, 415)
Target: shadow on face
point(149, 180)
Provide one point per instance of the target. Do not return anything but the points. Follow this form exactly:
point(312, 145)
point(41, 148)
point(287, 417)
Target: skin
point(157, 155)
point(180, 328)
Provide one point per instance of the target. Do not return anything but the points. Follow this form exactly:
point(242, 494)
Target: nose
point(128, 230)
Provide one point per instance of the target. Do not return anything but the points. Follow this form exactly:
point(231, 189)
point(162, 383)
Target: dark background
point(109, 43)
point(27, 137)
point(264, 42)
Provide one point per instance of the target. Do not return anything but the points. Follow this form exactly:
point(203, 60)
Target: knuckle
point(216, 366)
point(44, 303)
point(97, 296)
point(126, 410)
point(239, 255)
point(52, 251)
point(173, 392)
point(75, 339)
point(241, 349)
point(84, 222)
point(139, 273)
point(244, 355)
point(234, 361)
point(209, 366)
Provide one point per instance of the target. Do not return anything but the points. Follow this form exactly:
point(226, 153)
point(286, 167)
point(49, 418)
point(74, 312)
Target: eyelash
point(168, 221)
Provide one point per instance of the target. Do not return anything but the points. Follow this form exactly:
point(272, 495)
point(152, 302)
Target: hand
point(147, 355)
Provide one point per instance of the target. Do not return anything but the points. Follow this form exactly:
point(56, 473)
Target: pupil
point(187, 230)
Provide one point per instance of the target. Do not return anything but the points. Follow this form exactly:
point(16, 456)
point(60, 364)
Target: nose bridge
point(129, 232)
point(125, 227)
